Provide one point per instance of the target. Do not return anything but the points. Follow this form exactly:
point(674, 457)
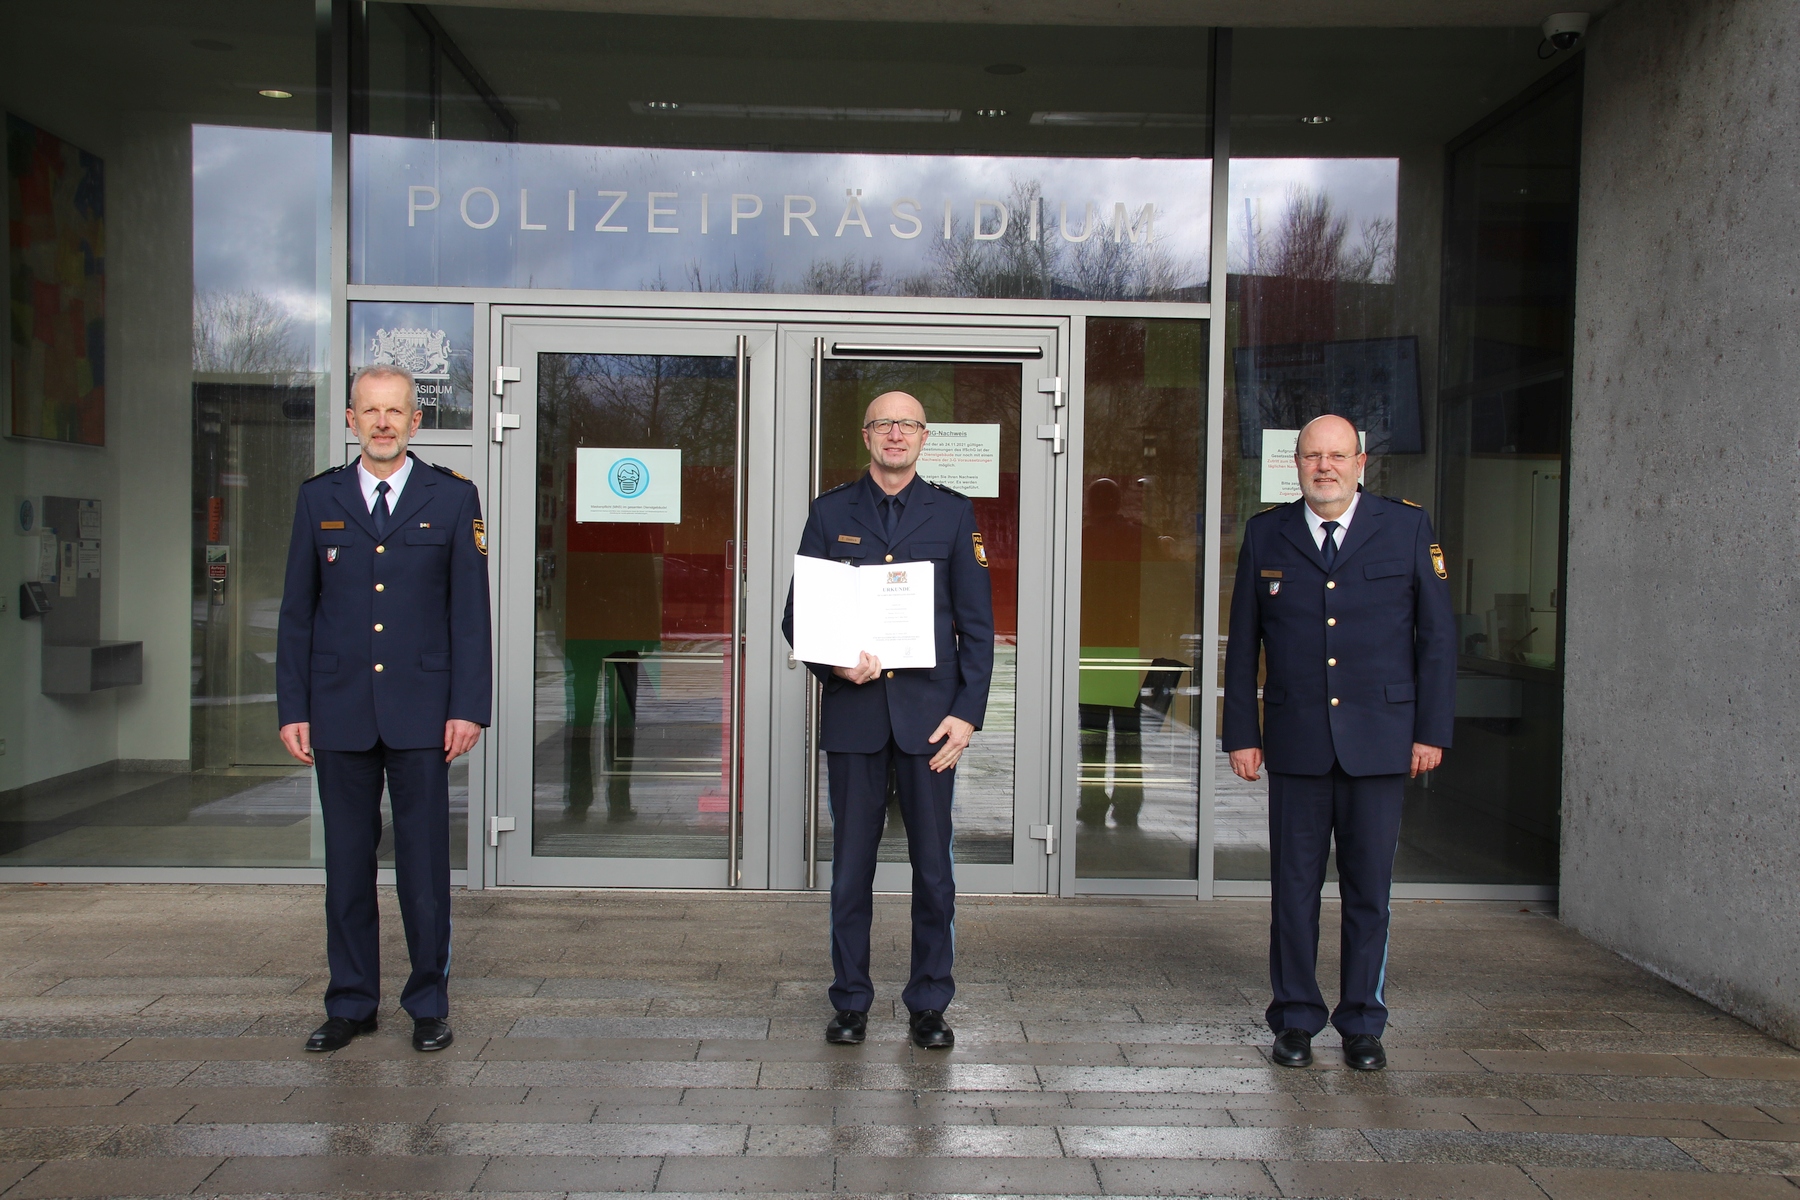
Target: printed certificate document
point(885, 609)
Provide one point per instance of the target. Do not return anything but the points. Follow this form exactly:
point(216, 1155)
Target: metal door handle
point(734, 790)
point(811, 821)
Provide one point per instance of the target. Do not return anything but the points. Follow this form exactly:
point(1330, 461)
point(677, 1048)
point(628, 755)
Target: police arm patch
point(980, 550)
point(1437, 561)
point(480, 532)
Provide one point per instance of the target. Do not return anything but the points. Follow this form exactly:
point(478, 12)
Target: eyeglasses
point(907, 426)
point(1315, 459)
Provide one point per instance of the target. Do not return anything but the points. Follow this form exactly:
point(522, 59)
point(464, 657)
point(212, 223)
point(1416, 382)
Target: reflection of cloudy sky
point(261, 202)
point(442, 248)
point(1360, 189)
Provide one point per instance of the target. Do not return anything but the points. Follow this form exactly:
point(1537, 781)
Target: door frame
point(493, 305)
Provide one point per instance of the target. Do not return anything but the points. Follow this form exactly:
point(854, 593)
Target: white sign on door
point(1280, 475)
point(627, 485)
point(964, 457)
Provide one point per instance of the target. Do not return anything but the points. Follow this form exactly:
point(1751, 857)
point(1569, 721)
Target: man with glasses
point(896, 729)
point(1345, 595)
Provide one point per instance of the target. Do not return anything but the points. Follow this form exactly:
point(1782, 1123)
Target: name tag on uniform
point(854, 541)
point(1271, 574)
point(331, 524)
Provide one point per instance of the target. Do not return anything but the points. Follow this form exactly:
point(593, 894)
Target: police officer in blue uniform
point(383, 672)
point(1344, 594)
point(910, 724)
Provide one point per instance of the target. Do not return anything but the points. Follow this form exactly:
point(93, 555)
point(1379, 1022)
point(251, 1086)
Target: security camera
point(1563, 30)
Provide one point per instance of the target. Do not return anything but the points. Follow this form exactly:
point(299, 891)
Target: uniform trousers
point(1306, 813)
point(418, 785)
point(859, 799)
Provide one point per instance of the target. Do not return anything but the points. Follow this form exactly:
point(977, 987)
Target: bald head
point(1329, 458)
point(894, 450)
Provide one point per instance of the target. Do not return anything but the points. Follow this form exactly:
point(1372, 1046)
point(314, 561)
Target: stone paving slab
point(612, 1044)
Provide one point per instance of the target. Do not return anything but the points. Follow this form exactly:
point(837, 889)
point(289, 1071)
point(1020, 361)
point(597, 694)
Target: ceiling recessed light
point(211, 44)
point(1006, 69)
point(1315, 120)
point(990, 112)
point(276, 94)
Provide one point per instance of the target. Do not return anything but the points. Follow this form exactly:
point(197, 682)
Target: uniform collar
point(1314, 520)
point(396, 483)
point(876, 495)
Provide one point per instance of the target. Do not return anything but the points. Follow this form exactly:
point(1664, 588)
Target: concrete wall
point(1681, 843)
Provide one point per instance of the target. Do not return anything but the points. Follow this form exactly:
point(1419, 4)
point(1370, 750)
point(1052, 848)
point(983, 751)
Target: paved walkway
point(150, 1045)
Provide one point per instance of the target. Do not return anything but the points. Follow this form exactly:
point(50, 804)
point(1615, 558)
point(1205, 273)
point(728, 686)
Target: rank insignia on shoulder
point(980, 550)
point(1410, 503)
point(1437, 561)
point(481, 535)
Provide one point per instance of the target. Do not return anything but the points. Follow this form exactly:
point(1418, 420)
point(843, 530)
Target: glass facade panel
point(521, 148)
point(1143, 504)
point(168, 190)
point(977, 399)
point(1343, 297)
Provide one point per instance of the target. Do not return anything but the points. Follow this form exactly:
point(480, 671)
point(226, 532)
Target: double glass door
point(653, 730)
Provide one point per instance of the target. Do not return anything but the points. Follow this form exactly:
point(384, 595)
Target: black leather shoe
point(848, 1028)
point(431, 1033)
point(1363, 1052)
point(1293, 1048)
point(336, 1033)
point(930, 1031)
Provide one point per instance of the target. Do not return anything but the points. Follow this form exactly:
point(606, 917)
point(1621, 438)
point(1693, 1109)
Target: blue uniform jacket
point(385, 638)
point(937, 525)
point(1361, 662)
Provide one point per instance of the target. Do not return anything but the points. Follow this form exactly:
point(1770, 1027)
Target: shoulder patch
point(449, 471)
point(840, 487)
point(947, 490)
point(330, 470)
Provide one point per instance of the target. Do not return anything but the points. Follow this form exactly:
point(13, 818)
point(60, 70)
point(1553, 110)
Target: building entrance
point(652, 477)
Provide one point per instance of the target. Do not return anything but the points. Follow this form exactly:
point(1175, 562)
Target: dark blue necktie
point(1330, 548)
point(381, 512)
point(890, 515)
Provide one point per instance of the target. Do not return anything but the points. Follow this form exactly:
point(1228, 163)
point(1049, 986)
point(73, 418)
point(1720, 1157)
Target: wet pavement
point(150, 1044)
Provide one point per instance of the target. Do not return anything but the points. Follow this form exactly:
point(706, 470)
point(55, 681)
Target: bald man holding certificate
point(893, 611)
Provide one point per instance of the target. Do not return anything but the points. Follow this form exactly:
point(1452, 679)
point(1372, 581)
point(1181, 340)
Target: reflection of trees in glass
point(1310, 240)
point(848, 276)
point(647, 400)
point(244, 332)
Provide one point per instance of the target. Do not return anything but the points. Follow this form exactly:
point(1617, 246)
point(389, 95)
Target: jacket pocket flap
point(438, 661)
point(1274, 695)
point(1399, 693)
point(324, 662)
point(1381, 570)
point(427, 537)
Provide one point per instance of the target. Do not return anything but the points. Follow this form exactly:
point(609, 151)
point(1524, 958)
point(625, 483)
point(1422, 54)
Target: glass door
point(993, 401)
point(625, 743)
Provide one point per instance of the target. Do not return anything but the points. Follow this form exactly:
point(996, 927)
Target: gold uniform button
point(1330, 583)
point(1333, 699)
point(379, 667)
point(890, 674)
point(1328, 620)
point(378, 630)
point(381, 587)
point(1330, 662)
point(890, 558)
point(383, 550)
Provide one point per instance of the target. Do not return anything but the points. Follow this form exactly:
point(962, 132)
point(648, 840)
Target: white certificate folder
point(887, 609)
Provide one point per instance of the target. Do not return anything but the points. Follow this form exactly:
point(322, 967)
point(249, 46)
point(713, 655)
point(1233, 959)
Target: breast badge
point(331, 554)
point(980, 550)
point(1437, 561)
point(481, 536)
point(1274, 587)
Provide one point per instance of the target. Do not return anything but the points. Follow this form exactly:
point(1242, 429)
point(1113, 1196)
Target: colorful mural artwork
point(56, 286)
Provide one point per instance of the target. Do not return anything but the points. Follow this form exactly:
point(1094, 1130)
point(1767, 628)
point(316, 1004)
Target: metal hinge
point(1052, 387)
point(504, 376)
point(500, 825)
point(1053, 435)
point(504, 421)
point(1047, 835)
